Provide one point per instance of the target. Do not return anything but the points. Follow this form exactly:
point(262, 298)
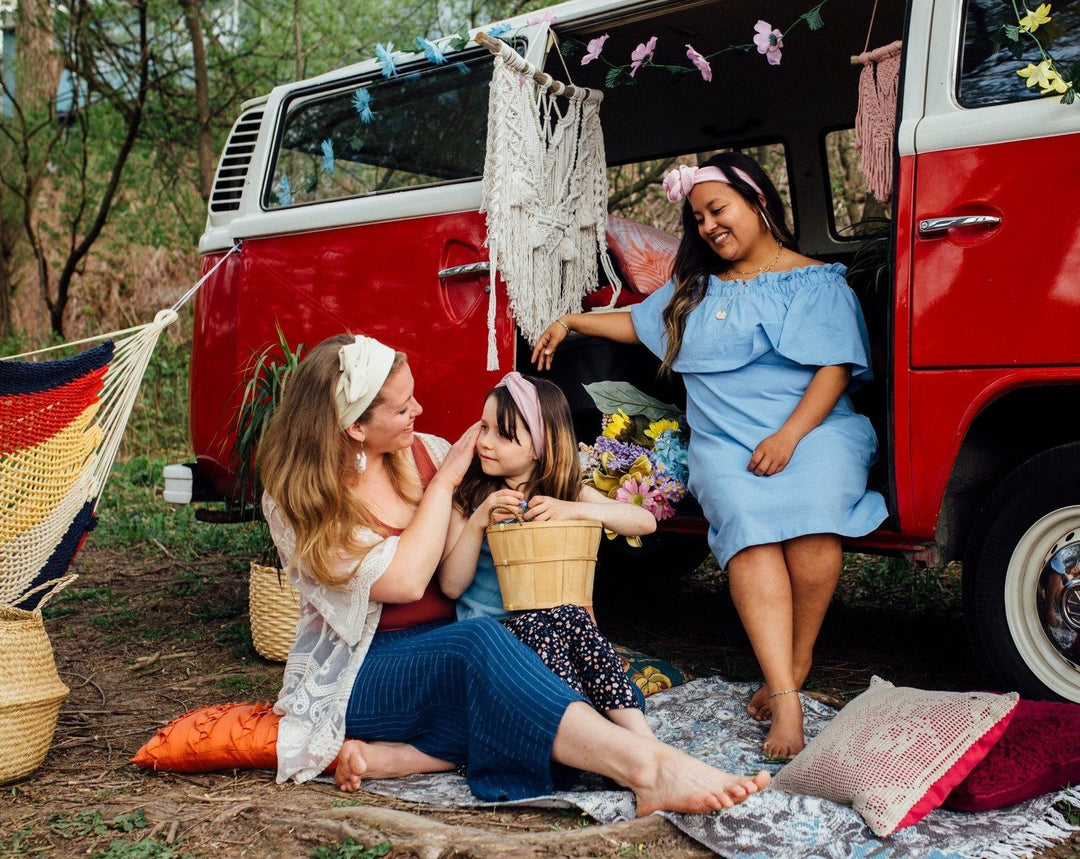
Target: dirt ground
point(140, 640)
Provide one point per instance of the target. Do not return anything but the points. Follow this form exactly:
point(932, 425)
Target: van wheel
point(1021, 610)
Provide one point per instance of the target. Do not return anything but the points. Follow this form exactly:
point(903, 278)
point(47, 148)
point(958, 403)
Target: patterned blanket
point(707, 718)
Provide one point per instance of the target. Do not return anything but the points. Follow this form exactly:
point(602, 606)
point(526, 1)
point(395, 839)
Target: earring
point(361, 460)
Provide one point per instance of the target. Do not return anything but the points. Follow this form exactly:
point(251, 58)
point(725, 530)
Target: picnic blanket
point(707, 718)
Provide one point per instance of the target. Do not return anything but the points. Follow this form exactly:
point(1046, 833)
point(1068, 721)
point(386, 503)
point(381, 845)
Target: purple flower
point(642, 55)
point(769, 41)
point(700, 63)
point(622, 455)
point(595, 47)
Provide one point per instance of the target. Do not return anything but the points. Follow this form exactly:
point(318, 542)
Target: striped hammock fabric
point(49, 441)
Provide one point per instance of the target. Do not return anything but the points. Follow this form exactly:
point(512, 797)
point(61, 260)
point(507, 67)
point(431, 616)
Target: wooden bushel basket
point(544, 564)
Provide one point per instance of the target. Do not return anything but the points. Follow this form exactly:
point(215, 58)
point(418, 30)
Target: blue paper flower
point(328, 156)
point(432, 51)
point(498, 30)
point(362, 102)
point(389, 70)
point(284, 192)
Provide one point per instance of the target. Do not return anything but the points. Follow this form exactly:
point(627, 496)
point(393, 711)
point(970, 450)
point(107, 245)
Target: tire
point(1030, 518)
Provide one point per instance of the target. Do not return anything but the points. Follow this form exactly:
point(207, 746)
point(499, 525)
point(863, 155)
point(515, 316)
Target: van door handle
point(482, 267)
point(936, 226)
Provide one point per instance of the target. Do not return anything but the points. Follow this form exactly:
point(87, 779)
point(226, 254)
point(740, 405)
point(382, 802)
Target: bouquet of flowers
point(640, 455)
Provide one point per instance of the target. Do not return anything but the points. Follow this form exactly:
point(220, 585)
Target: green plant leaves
point(609, 397)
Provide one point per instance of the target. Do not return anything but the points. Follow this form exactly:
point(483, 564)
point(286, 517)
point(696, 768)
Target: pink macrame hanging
point(876, 117)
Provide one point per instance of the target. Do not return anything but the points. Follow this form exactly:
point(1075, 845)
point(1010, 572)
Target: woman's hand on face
point(545, 347)
point(543, 508)
point(459, 456)
point(771, 456)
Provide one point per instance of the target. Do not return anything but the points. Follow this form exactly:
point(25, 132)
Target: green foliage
point(349, 849)
point(882, 582)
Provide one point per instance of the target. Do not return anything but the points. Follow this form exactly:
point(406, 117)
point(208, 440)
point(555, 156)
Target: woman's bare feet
point(358, 759)
point(759, 707)
point(681, 783)
point(785, 739)
point(632, 719)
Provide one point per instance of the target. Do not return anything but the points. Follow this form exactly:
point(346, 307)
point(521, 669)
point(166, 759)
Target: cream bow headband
point(678, 182)
point(365, 363)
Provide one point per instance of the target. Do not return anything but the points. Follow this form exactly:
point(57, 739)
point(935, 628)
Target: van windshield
point(424, 126)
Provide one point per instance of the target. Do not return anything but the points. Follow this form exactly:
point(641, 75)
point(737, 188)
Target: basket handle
point(56, 586)
point(514, 512)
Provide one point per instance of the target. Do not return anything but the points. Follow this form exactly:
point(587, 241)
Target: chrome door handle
point(482, 267)
point(936, 226)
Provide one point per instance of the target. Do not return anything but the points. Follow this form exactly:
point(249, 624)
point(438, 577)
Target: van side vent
point(235, 161)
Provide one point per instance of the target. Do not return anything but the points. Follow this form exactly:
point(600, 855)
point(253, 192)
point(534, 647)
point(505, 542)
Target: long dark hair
point(695, 261)
point(557, 472)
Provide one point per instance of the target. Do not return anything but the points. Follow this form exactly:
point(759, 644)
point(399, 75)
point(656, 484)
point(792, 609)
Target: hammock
point(545, 194)
point(61, 423)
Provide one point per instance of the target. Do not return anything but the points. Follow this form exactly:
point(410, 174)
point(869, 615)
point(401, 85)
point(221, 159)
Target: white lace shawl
point(332, 638)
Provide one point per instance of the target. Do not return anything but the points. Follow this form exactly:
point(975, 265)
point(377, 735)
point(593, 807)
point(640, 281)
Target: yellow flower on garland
point(1044, 76)
point(1033, 20)
point(617, 424)
point(658, 427)
point(650, 680)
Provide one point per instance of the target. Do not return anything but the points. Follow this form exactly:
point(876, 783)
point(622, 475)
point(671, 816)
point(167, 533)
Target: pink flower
point(699, 62)
point(641, 55)
point(595, 47)
point(769, 41)
point(542, 18)
point(645, 494)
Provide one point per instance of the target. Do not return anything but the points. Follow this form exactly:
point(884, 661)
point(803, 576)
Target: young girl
point(768, 342)
point(526, 457)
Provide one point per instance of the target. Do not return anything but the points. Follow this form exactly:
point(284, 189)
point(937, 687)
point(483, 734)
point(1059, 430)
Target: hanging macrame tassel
point(875, 121)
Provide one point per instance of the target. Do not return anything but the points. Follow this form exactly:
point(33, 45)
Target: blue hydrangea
point(669, 452)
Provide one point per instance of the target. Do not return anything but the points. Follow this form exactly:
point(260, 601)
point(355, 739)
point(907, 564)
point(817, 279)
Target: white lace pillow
point(894, 754)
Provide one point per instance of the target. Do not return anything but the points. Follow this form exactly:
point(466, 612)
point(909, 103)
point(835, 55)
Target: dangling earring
point(361, 460)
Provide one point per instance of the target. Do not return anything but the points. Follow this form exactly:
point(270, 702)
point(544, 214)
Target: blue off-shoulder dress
point(744, 375)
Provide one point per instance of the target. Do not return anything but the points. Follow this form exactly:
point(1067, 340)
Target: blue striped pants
point(467, 692)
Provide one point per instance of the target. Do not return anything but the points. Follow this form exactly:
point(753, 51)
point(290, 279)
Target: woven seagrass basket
point(31, 691)
point(544, 564)
point(274, 609)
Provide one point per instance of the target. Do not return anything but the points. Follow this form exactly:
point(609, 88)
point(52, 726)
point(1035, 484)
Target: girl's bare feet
point(681, 783)
point(785, 739)
point(382, 760)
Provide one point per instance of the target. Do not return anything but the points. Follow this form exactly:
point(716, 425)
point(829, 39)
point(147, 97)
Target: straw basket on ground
point(543, 564)
point(31, 691)
point(273, 609)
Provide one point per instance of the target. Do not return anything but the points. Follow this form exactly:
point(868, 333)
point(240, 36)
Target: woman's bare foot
point(681, 783)
point(632, 719)
point(759, 707)
point(382, 760)
point(785, 739)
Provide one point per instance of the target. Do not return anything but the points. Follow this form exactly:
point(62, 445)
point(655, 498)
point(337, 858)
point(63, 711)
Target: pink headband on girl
point(523, 393)
point(678, 182)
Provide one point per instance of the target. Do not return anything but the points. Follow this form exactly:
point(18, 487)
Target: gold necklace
point(744, 280)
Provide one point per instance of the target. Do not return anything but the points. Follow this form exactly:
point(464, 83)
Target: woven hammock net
point(61, 423)
point(545, 196)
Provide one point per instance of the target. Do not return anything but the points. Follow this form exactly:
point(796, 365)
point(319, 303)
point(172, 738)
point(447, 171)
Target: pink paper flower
point(700, 63)
point(769, 41)
point(542, 18)
point(595, 47)
point(641, 55)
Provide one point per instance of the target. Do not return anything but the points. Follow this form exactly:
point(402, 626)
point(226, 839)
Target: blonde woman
point(359, 505)
point(768, 342)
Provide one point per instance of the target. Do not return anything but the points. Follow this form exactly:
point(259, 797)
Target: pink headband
point(523, 393)
point(678, 182)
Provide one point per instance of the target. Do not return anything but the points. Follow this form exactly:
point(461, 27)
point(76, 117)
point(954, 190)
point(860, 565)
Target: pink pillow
point(1038, 753)
point(894, 754)
point(643, 254)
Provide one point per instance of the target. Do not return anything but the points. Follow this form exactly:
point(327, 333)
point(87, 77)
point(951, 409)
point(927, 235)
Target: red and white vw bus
point(973, 299)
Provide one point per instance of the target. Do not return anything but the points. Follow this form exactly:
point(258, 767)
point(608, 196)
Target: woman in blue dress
point(768, 342)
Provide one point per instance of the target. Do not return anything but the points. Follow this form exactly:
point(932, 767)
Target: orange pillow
point(213, 738)
point(643, 254)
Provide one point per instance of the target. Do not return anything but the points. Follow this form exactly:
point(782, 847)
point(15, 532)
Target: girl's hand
point(543, 508)
point(549, 341)
point(458, 458)
point(505, 497)
point(772, 455)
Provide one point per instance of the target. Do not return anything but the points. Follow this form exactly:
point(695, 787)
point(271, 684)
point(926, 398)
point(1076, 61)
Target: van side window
point(420, 128)
point(988, 71)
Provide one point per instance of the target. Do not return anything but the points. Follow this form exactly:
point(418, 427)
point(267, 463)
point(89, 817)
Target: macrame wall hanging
point(545, 194)
point(875, 120)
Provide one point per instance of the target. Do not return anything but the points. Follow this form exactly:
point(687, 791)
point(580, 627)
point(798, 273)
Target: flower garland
point(640, 456)
point(1045, 74)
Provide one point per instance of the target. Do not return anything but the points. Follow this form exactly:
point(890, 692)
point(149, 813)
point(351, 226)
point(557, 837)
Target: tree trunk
point(205, 139)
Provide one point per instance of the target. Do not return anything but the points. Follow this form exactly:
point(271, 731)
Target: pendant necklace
point(746, 278)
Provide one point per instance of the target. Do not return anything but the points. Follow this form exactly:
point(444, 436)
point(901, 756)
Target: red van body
point(978, 292)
